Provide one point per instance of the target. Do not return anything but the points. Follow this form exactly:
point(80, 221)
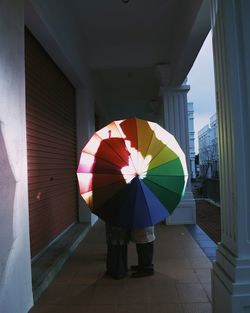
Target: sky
point(202, 91)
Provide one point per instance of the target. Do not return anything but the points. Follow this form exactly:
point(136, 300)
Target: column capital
point(178, 89)
point(163, 73)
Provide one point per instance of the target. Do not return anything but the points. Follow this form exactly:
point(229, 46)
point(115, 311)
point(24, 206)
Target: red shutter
point(51, 141)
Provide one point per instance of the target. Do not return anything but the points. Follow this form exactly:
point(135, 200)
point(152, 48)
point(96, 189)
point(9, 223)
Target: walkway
point(181, 283)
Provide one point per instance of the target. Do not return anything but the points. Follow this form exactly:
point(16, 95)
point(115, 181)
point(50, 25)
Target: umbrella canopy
point(132, 173)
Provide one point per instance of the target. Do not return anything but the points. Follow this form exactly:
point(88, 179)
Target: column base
point(230, 283)
point(185, 213)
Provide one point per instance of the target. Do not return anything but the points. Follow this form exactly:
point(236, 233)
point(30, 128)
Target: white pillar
point(85, 121)
point(176, 122)
point(231, 43)
point(191, 139)
point(192, 166)
point(15, 260)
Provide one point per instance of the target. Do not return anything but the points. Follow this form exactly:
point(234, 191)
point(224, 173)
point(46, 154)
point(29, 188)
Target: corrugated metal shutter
point(51, 141)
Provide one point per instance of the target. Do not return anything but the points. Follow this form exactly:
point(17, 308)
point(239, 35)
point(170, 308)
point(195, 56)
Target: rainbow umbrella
point(132, 173)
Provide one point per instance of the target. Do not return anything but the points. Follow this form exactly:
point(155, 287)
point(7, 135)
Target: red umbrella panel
point(132, 173)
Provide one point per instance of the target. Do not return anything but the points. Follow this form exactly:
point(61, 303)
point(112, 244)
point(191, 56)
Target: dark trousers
point(145, 252)
point(116, 263)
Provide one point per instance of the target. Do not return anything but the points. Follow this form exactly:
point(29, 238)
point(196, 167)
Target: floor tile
point(208, 289)
point(54, 294)
point(159, 294)
point(204, 275)
point(197, 308)
point(177, 263)
point(60, 309)
point(195, 252)
point(104, 308)
point(134, 293)
point(87, 277)
point(200, 262)
point(201, 237)
point(207, 244)
point(67, 274)
point(78, 294)
point(166, 307)
point(183, 275)
point(133, 308)
point(210, 252)
point(189, 293)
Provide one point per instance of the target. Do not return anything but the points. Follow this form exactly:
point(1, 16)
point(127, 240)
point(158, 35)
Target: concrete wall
point(15, 267)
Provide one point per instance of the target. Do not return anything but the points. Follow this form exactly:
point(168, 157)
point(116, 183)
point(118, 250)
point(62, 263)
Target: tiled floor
point(181, 283)
point(208, 246)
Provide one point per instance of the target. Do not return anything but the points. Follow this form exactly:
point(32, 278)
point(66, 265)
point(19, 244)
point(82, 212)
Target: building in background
point(191, 139)
point(208, 149)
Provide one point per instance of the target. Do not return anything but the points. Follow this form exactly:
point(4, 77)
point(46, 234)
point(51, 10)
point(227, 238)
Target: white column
point(15, 260)
point(231, 43)
point(85, 121)
point(191, 139)
point(176, 122)
point(192, 165)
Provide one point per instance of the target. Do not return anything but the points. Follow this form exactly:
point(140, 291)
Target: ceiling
point(128, 43)
point(116, 23)
point(142, 32)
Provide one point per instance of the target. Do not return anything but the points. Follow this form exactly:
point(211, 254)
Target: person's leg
point(121, 266)
point(109, 259)
point(140, 255)
point(145, 259)
point(148, 256)
point(117, 261)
